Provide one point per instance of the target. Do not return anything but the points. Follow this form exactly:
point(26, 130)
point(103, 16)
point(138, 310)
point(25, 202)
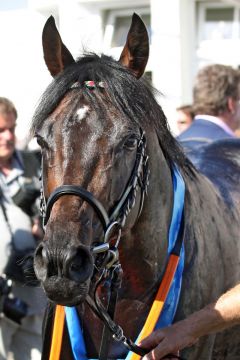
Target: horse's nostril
point(40, 263)
point(41, 255)
point(75, 267)
point(79, 267)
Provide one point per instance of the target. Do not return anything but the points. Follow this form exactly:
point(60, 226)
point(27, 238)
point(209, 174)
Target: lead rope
point(114, 285)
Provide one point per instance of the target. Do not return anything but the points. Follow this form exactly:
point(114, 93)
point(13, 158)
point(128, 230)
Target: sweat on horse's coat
point(99, 154)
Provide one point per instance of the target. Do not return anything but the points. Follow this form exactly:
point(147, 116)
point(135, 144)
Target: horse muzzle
point(64, 273)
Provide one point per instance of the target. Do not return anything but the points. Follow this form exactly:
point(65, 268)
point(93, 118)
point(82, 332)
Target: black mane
point(133, 97)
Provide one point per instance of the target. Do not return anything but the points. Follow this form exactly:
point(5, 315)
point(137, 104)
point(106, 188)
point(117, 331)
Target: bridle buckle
point(114, 257)
point(98, 249)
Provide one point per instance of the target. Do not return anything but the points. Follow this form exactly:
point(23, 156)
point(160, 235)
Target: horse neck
point(204, 212)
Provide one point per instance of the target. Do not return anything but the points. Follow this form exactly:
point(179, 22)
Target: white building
point(185, 35)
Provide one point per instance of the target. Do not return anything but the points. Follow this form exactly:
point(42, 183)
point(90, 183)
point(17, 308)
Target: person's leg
point(7, 330)
point(27, 341)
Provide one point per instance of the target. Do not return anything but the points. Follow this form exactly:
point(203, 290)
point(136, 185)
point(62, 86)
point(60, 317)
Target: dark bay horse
point(100, 130)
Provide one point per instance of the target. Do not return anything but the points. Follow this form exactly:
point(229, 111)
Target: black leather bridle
point(110, 270)
point(139, 179)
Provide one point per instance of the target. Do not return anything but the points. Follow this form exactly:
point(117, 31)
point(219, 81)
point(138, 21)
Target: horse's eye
point(131, 142)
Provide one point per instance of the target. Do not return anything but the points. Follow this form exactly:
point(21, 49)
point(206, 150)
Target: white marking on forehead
point(117, 129)
point(82, 112)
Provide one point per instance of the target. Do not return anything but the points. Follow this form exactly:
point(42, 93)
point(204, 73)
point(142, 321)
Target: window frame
point(111, 20)
point(211, 5)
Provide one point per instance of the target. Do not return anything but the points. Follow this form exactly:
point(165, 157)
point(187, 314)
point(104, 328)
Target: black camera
point(12, 307)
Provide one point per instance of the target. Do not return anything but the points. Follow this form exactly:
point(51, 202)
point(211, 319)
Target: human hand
point(167, 341)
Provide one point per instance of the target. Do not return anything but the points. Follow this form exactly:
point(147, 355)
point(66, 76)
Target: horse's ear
point(136, 50)
point(57, 57)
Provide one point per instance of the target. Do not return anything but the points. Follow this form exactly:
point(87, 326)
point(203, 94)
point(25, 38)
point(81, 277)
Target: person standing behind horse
point(216, 95)
point(21, 319)
point(185, 116)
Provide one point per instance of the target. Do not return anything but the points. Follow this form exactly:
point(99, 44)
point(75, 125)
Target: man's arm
point(224, 313)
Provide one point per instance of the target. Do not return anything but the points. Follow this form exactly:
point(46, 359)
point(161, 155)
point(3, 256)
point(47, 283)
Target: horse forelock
point(130, 96)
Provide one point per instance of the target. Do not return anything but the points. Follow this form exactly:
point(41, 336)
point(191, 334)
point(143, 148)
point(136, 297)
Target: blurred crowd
point(214, 113)
point(22, 302)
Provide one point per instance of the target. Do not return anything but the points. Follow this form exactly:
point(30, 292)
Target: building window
point(117, 25)
point(121, 27)
point(218, 33)
point(219, 23)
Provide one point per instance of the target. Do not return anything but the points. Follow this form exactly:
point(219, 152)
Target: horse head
point(93, 160)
